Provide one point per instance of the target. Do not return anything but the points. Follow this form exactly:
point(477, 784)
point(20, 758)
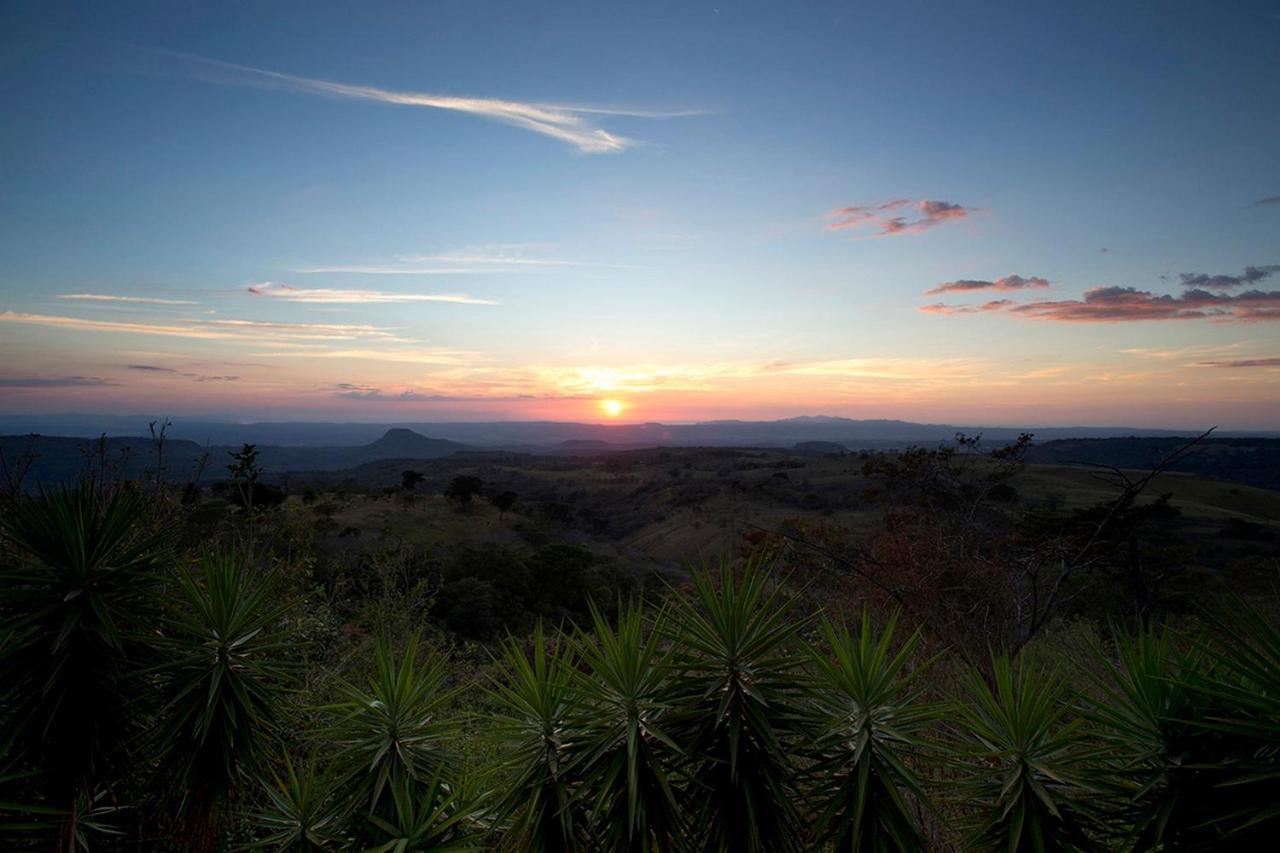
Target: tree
point(245, 471)
point(504, 501)
point(410, 479)
point(463, 488)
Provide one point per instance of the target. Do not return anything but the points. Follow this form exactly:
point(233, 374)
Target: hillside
point(1255, 461)
point(662, 507)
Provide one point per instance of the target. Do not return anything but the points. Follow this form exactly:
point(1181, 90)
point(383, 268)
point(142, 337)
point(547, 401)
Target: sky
point(983, 213)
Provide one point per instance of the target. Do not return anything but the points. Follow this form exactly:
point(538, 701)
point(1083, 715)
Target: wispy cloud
point(253, 331)
point(199, 377)
point(886, 220)
point(347, 297)
point(485, 260)
point(377, 395)
point(1181, 353)
point(53, 381)
point(993, 305)
point(591, 381)
point(140, 300)
point(1250, 275)
point(415, 355)
point(575, 125)
point(1243, 362)
point(1009, 282)
point(1271, 199)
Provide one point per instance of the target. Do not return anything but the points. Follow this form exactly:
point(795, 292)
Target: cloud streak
point(1250, 275)
point(485, 261)
point(199, 377)
point(53, 381)
point(416, 355)
point(890, 219)
point(1243, 362)
point(253, 331)
point(139, 300)
point(993, 305)
point(1009, 282)
point(574, 125)
point(329, 296)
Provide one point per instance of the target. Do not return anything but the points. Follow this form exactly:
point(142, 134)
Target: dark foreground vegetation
point(967, 669)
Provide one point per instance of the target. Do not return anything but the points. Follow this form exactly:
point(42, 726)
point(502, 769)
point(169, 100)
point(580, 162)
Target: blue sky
point(674, 251)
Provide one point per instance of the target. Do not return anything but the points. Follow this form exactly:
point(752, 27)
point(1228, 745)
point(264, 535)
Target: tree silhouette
point(503, 501)
point(463, 488)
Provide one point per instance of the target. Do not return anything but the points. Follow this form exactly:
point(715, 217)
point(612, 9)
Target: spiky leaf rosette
point(74, 596)
point(625, 756)
point(226, 681)
point(539, 740)
point(1026, 763)
point(739, 691)
point(872, 719)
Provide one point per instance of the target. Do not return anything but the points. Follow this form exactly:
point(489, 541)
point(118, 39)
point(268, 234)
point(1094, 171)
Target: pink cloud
point(1128, 304)
point(1009, 282)
point(993, 305)
point(929, 213)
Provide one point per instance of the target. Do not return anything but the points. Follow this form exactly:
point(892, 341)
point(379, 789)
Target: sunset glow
point(468, 228)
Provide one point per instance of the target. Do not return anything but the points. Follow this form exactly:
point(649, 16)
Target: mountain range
point(540, 436)
point(293, 447)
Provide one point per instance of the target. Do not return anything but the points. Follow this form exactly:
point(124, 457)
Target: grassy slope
point(681, 505)
point(1199, 497)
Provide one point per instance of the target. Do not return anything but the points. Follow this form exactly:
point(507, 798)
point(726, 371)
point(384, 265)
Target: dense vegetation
point(193, 673)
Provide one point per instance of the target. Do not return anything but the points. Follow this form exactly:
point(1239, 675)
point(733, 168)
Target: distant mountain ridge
point(401, 442)
point(59, 459)
point(533, 435)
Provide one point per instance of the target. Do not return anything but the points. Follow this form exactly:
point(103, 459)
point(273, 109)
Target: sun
point(612, 408)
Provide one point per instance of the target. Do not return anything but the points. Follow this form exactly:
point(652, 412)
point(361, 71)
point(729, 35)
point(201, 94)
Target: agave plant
point(22, 818)
point(1148, 718)
point(74, 590)
point(738, 693)
point(872, 720)
point(427, 817)
point(1242, 691)
point(393, 730)
point(537, 732)
point(226, 684)
point(302, 811)
point(1026, 763)
point(625, 755)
